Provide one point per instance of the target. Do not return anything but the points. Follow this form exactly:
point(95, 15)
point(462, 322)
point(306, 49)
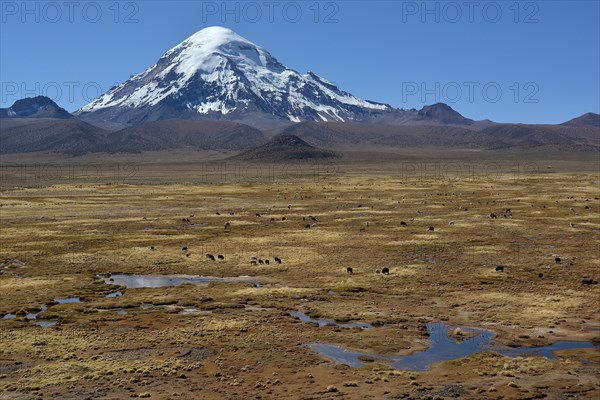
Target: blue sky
point(527, 61)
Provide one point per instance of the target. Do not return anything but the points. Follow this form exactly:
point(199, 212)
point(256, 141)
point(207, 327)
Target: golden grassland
point(239, 342)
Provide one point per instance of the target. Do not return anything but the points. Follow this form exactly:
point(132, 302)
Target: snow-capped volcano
point(217, 74)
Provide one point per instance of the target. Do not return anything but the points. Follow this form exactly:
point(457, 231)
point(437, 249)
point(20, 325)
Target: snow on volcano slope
point(216, 74)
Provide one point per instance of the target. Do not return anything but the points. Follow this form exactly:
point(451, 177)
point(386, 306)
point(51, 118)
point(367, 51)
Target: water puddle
point(46, 324)
point(328, 322)
point(121, 312)
point(155, 281)
point(33, 315)
point(68, 300)
point(443, 348)
point(546, 351)
point(28, 315)
point(114, 294)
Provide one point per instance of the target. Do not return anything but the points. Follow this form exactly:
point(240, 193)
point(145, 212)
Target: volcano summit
point(217, 74)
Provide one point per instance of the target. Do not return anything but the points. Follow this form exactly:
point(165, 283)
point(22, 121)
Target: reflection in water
point(154, 281)
point(68, 300)
point(46, 324)
point(33, 315)
point(324, 322)
point(443, 348)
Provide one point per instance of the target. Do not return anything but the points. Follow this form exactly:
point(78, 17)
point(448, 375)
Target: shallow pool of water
point(33, 315)
point(547, 351)
point(46, 324)
point(68, 300)
point(443, 347)
point(328, 322)
point(114, 294)
point(154, 281)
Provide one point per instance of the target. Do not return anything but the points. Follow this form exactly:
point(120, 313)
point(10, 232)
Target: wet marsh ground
point(237, 341)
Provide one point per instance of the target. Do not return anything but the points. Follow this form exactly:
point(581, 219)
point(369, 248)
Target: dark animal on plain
point(221, 257)
point(431, 228)
point(184, 248)
point(493, 215)
point(278, 260)
point(289, 207)
point(187, 254)
point(349, 270)
point(210, 257)
point(307, 226)
point(258, 215)
point(231, 213)
point(507, 210)
point(557, 260)
point(218, 213)
point(313, 218)
point(385, 270)
point(500, 268)
point(587, 207)
point(540, 275)
point(272, 219)
point(185, 220)
point(402, 223)
point(227, 224)
point(267, 262)
point(252, 262)
point(589, 282)
point(283, 218)
point(151, 247)
point(360, 205)
point(260, 261)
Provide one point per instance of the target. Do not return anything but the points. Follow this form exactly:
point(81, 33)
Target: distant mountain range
point(219, 91)
point(25, 128)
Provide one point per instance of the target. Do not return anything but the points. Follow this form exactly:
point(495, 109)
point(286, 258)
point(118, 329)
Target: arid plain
point(69, 224)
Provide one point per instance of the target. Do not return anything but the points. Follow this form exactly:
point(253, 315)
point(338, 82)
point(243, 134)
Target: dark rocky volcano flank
point(585, 120)
point(35, 107)
point(284, 148)
point(443, 114)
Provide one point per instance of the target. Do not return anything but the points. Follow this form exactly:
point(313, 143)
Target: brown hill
point(285, 148)
point(35, 107)
point(587, 119)
point(169, 134)
point(69, 136)
point(334, 135)
point(531, 136)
